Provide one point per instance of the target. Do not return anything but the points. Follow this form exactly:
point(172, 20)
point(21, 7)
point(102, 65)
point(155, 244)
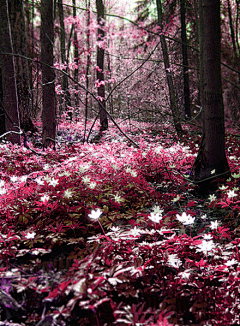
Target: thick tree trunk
point(21, 65)
point(2, 114)
point(186, 89)
point(211, 161)
point(10, 103)
point(48, 76)
point(100, 64)
point(173, 103)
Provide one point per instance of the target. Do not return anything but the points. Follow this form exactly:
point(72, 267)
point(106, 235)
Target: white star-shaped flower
point(155, 217)
point(44, 198)
point(95, 214)
point(212, 198)
point(206, 246)
point(67, 194)
point(14, 178)
point(30, 235)
point(214, 225)
point(53, 182)
point(231, 194)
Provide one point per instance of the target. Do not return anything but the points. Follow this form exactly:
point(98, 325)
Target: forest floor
point(107, 233)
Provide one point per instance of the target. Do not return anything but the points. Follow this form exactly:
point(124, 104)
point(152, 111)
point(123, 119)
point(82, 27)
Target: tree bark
point(21, 65)
point(100, 64)
point(66, 97)
point(48, 76)
point(76, 58)
point(211, 161)
point(186, 89)
point(2, 114)
point(173, 103)
point(10, 103)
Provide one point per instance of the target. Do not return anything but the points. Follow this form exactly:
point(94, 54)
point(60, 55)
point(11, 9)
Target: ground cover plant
point(106, 233)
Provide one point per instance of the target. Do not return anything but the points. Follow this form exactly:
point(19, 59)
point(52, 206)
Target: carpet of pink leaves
point(135, 263)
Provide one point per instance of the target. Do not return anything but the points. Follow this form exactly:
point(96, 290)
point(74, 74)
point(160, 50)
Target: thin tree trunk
point(173, 103)
point(10, 103)
point(48, 76)
point(75, 42)
point(100, 64)
point(66, 97)
point(185, 60)
point(87, 66)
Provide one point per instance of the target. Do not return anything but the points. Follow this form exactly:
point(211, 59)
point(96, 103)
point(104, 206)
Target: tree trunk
point(87, 67)
point(173, 103)
point(211, 161)
point(21, 64)
point(186, 89)
point(48, 87)
point(2, 115)
point(100, 64)
point(66, 97)
point(10, 103)
point(76, 58)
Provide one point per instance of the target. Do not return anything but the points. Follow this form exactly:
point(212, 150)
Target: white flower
point(14, 178)
point(115, 228)
point(53, 182)
point(185, 219)
point(84, 168)
point(67, 194)
point(214, 225)
point(133, 173)
point(212, 198)
point(30, 235)
point(231, 194)
point(135, 231)
point(118, 199)
point(185, 275)
point(44, 198)
point(92, 185)
point(40, 181)
point(174, 200)
point(46, 167)
point(223, 187)
point(24, 178)
point(2, 183)
point(3, 191)
point(213, 171)
point(86, 179)
point(155, 217)
point(204, 217)
point(95, 214)
point(157, 209)
point(231, 262)
point(207, 236)
point(174, 261)
point(206, 246)
point(159, 149)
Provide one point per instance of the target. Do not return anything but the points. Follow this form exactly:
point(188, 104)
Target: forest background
point(118, 115)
